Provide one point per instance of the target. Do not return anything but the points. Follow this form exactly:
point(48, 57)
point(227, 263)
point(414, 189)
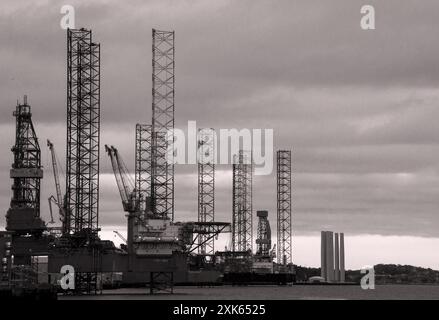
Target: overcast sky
point(359, 109)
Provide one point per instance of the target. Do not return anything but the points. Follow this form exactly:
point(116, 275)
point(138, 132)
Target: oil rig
point(158, 252)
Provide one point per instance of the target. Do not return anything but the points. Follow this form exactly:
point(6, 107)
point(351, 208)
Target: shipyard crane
point(125, 183)
point(59, 199)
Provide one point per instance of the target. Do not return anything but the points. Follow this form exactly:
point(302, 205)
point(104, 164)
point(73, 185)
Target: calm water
point(268, 293)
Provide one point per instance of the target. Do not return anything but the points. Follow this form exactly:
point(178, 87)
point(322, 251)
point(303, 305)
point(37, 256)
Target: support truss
point(206, 185)
point(83, 111)
point(242, 220)
point(206, 231)
point(284, 227)
point(162, 123)
point(143, 165)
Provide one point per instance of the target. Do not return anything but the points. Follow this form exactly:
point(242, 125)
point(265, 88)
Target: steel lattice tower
point(163, 81)
point(206, 185)
point(24, 213)
point(242, 223)
point(83, 111)
point(284, 229)
point(263, 240)
point(143, 165)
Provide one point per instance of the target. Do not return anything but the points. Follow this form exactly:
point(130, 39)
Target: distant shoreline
point(384, 274)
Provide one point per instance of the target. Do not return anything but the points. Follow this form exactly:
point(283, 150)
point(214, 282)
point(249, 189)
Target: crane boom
point(123, 181)
point(127, 182)
point(117, 174)
point(59, 199)
point(120, 236)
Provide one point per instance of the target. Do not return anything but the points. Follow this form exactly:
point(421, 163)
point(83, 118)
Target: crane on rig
point(59, 199)
point(124, 181)
point(130, 203)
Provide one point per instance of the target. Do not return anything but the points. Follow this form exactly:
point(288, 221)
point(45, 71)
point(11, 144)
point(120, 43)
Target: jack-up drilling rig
point(25, 239)
point(80, 245)
point(24, 215)
point(155, 243)
point(23, 218)
point(149, 235)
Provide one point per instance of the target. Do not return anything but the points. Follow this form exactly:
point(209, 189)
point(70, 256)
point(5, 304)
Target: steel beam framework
point(163, 81)
point(83, 121)
point(206, 185)
point(206, 231)
point(143, 165)
point(284, 226)
point(242, 219)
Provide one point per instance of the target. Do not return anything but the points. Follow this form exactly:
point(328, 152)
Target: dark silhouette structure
point(163, 81)
point(206, 185)
point(263, 241)
point(284, 227)
point(23, 216)
point(242, 219)
point(83, 122)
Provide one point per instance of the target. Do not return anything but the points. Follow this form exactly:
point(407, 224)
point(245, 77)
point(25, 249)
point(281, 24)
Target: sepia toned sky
point(359, 109)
